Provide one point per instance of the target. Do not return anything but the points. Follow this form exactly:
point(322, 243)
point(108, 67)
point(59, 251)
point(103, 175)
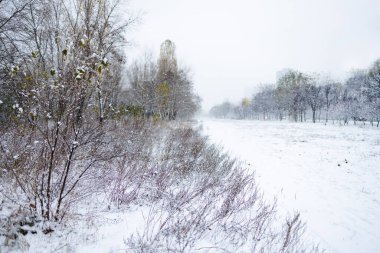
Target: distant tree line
point(300, 97)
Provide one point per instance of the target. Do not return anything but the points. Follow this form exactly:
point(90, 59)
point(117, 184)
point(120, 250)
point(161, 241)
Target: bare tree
point(60, 91)
point(314, 99)
point(372, 91)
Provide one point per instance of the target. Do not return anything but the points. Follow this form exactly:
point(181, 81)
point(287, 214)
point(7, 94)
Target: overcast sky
point(234, 46)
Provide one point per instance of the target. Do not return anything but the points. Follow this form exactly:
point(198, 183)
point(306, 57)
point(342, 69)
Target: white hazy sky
point(234, 46)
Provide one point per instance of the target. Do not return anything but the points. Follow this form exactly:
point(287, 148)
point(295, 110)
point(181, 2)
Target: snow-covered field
point(331, 174)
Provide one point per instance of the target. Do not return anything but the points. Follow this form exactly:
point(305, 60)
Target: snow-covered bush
point(198, 197)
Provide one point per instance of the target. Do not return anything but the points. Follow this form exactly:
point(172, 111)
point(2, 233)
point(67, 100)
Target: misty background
point(232, 47)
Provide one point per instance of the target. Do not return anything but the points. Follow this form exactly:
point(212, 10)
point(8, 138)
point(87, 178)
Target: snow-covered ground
point(331, 174)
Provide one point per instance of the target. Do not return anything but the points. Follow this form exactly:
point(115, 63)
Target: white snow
point(331, 174)
point(99, 230)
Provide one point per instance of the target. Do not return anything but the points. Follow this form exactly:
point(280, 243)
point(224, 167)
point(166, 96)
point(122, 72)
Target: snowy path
point(330, 174)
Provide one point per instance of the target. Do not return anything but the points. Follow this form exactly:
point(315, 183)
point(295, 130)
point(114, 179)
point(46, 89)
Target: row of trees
point(298, 96)
point(160, 87)
point(64, 49)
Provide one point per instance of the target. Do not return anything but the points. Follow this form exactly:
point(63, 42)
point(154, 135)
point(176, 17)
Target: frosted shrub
point(198, 194)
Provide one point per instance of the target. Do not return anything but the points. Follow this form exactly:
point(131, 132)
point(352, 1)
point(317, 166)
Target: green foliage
point(129, 110)
point(163, 89)
point(246, 102)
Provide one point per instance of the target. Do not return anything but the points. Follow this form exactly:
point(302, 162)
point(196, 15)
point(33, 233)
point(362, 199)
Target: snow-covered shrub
point(199, 198)
point(49, 173)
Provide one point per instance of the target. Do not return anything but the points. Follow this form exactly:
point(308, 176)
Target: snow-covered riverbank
point(331, 174)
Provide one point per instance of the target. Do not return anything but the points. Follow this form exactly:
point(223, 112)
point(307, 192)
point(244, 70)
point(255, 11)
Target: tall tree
point(163, 89)
point(291, 93)
point(372, 90)
point(314, 99)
